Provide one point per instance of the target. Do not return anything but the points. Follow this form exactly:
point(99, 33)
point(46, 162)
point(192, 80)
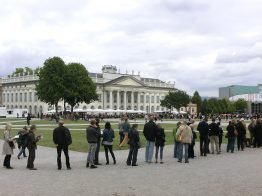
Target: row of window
point(142, 97)
point(19, 97)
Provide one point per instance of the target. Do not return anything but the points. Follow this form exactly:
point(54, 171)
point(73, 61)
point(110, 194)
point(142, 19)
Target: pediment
point(128, 82)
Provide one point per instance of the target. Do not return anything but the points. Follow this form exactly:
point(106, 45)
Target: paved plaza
point(226, 174)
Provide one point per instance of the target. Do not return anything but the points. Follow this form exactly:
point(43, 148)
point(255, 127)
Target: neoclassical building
point(115, 91)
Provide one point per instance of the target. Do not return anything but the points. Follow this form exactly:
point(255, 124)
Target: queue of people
point(184, 140)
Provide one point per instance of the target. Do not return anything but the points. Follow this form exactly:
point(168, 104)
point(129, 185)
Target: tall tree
point(175, 99)
point(196, 99)
point(50, 87)
point(79, 86)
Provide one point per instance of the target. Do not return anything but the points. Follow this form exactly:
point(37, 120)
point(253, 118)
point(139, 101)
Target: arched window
point(92, 107)
point(100, 107)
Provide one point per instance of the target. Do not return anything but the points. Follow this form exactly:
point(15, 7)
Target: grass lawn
point(77, 128)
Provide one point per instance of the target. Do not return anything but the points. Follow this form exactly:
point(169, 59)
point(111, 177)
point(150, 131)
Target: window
point(7, 97)
point(36, 97)
point(25, 97)
point(16, 97)
point(99, 97)
point(30, 96)
point(107, 97)
point(147, 99)
point(152, 99)
point(141, 98)
point(12, 97)
point(157, 99)
point(21, 97)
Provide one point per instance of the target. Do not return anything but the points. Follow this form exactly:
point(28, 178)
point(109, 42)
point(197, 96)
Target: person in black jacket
point(191, 152)
point(134, 145)
point(62, 139)
point(149, 132)
point(160, 143)
point(221, 133)
point(257, 134)
point(99, 135)
point(203, 129)
point(231, 136)
point(32, 140)
point(214, 136)
point(22, 142)
point(91, 136)
point(241, 134)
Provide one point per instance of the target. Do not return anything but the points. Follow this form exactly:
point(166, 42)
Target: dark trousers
point(220, 142)
point(132, 155)
point(97, 152)
point(59, 151)
point(240, 143)
point(161, 152)
point(22, 151)
point(110, 148)
point(231, 144)
point(191, 152)
point(257, 142)
point(7, 160)
point(203, 145)
point(121, 136)
point(31, 158)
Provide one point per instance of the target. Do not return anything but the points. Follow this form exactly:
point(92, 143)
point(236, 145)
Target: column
point(132, 100)
point(124, 100)
point(138, 101)
point(118, 99)
point(144, 103)
point(111, 99)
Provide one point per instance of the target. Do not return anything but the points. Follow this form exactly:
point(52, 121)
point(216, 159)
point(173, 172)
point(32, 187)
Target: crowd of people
point(210, 134)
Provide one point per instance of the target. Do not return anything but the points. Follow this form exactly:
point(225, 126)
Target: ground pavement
point(226, 174)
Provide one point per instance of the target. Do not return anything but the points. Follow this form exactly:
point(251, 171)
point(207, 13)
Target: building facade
point(252, 94)
point(115, 91)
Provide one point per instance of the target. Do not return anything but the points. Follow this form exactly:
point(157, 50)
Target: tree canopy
point(79, 86)
point(51, 85)
point(241, 105)
point(196, 99)
point(175, 99)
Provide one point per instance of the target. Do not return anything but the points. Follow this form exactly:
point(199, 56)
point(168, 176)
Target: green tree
point(51, 86)
point(196, 99)
point(18, 71)
point(240, 105)
point(79, 86)
point(175, 99)
point(204, 108)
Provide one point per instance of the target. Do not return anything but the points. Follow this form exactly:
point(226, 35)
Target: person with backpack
point(108, 136)
point(22, 141)
point(126, 129)
point(134, 145)
point(62, 139)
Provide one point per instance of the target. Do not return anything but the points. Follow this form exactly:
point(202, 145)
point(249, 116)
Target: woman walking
point(8, 146)
point(160, 143)
point(108, 136)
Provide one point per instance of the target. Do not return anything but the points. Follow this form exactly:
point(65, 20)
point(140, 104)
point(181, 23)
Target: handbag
point(11, 144)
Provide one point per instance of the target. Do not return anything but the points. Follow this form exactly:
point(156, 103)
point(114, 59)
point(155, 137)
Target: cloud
point(200, 44)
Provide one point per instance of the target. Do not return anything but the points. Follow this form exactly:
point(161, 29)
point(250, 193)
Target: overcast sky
point(199, 44)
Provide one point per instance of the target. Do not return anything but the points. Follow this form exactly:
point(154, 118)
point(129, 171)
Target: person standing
point(99, 135)
point(185, 132)
point(251, 128)
point(32, 140)
point(108, 136)
point(62, 139)
point(126, 129)
point(241, 134)
point(91, 136)
point(214, 136)
point(149, 132)
point(203, 131)
point(191, 152)
point(28, 118)
point(121, 131)
point(22, 142)
point(257, 134)
point(221, 133)
point(231, 136)
point(134, 145)
point(160, 142)
point(176, 145)
point(8, 146)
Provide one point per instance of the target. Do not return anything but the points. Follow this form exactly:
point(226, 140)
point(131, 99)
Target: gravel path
point(226, 174)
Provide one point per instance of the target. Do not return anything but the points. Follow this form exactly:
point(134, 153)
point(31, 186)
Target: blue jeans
point(149, 150)
point(231, 144)
point(22, 151)
point(176, 145)
point(180, 154)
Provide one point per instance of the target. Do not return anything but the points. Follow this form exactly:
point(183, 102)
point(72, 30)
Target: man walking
point(150, 130)
point(62, 139)
point(203, 131)
point(32, 140)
